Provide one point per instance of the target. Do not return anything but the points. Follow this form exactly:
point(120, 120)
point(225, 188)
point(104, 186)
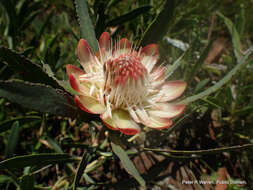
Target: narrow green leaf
point(27, 51)
point(128, 16)
point(44, 25)
point(99, 10)
point(86, 26)
point(35, 41)
point(28, 20)
point(160, 25)
point(82, 165)
point(219, 84)
point(55, 146)
point(12, 140)
point(5, 125)
point(11, 11)
point(241, 21)
point(201, 85)
point(202, 152)
point(28, 8)
point(64, 84)
point(28, 13)
point(27, 182)
point(5, 178)
point(199, 63)
point(127, 163)
point(23, 10)
point(52, 51)
point(112, 3)
point(39, 187)
point(27, 69)
point(39, 97)
point(57, 149)
point(74, 145)
point(244, 111)
point(33, 160)
point(5, 71)
point(94, 165)
point(171, 68)
point(88, 178)
point(92, 187)
point(234, 34)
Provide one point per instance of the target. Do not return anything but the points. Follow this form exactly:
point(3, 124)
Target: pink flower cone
point(124, 86)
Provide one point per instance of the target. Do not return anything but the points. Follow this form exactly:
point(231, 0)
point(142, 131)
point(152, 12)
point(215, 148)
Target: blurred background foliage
point(46, 32)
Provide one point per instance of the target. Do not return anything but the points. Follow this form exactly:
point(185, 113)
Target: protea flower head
point(125, 86)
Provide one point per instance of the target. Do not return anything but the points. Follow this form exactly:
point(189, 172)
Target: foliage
point(47, 142)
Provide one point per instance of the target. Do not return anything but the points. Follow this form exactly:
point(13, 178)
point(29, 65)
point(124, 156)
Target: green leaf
point(82, 165)
point(88, 178)
point(23, 10)
point(35, 41)
point(44, 25)
point(28, 12)
point(247, 110)
point(160, 25)
point(64, 84)
point(33, 160)
point(171, 68)
point(235, 36)
point(128, 16)
point(127, 163)
point(219, 84)
point(12, 140)
point(241, 21)
point(5, 178)
point(28, 20)
point(202, 152)
point(112, 3)
point(52, 51)
point(25, 68)
point(39, 97)
point(27, 182)
point(10, 9)
point(55, 146)
point(5, 72)
point(201, 85)
point(5, 125)
point(199, 63)
point(99, 10)
point(86, 26)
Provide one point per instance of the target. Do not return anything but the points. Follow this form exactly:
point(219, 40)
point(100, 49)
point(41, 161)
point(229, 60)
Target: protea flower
point(124, 86)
